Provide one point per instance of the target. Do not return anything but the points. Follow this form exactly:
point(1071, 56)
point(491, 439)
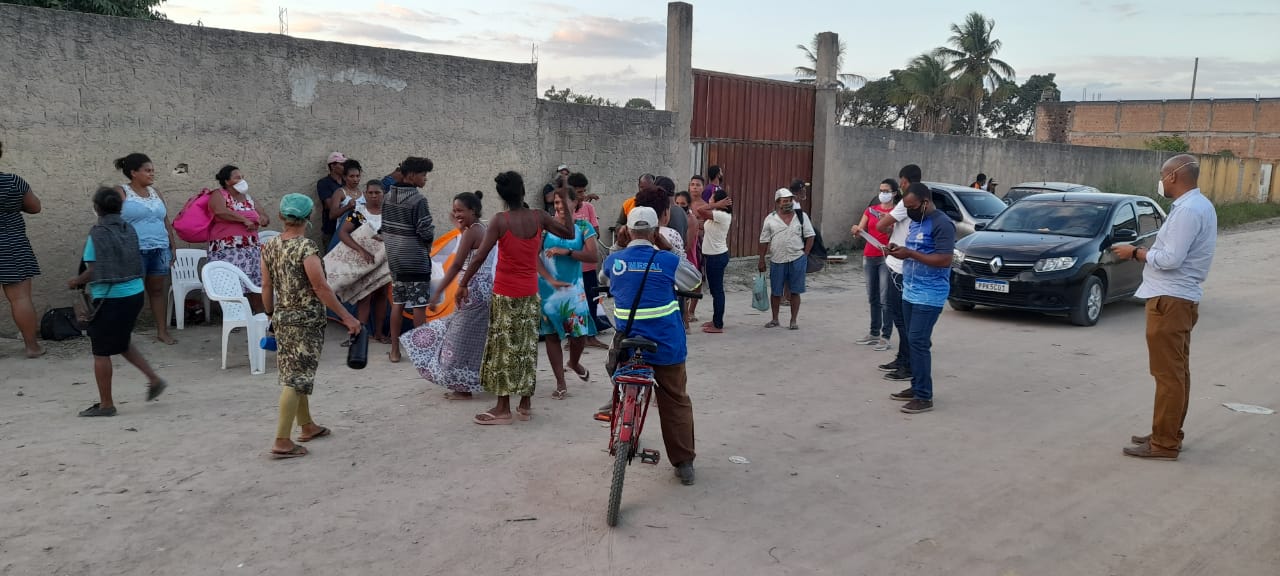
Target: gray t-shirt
point(679, 220)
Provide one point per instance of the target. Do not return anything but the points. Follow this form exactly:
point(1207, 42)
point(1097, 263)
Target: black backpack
point(59, 324)
point(817, 254)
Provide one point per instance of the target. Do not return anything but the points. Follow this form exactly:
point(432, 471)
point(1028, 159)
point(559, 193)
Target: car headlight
point(958, 255)
point(1055, 264)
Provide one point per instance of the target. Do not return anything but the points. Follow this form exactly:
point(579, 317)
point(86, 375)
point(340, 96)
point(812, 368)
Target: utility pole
point(1194, 72)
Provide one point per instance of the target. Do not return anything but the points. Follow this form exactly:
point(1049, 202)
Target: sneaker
point(889, 366)
point(918, 406)
point(98, 410)
point(904, 396)
point(684, 472)
point(898, 374)
point(883, 345)
point(867, 340)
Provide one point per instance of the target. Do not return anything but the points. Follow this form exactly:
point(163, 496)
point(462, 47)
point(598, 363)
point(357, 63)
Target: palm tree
point(972, 61)
point(926, 88)
point(809, 74)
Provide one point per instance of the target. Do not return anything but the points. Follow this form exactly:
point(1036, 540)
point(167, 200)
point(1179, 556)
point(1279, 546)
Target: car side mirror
point(954, 215)
point(1124, 235)
point(980, 226)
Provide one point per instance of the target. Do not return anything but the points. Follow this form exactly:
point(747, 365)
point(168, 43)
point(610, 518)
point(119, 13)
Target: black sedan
point(1050, 253)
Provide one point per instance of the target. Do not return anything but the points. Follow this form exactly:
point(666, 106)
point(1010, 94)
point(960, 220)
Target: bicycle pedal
point(650, 456)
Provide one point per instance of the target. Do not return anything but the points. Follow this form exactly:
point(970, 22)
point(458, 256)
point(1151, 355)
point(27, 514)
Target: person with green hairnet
point(295, 294)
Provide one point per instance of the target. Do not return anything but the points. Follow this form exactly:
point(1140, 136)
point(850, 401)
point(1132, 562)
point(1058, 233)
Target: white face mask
point(242, 186)
point(886, 197)
point(1160, 188)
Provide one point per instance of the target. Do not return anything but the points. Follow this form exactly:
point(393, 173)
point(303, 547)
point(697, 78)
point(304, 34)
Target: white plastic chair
point(265, 235)
point(225, 284)
point(185, 278)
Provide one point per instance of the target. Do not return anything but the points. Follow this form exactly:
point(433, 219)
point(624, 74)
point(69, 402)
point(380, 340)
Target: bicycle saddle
point(640, 343)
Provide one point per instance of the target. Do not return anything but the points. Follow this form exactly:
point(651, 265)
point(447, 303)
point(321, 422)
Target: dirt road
point(1017, 472)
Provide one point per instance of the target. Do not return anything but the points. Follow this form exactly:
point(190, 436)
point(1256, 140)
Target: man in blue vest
point(657, 318)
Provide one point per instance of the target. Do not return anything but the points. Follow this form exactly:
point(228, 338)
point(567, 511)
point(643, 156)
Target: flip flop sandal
point(321, 434)
point(771, 324)
point(457, 396)
point(560, 394)
point(584, 376)
point(295, 452)
point(603, 416)
point(154, 390)
point(491, 421)
point(794, 326)
point(524, 415)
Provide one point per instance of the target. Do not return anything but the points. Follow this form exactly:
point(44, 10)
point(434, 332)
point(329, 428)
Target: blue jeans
point(877, 276)
point(919, 320)
point(788, 276)
point(716, 265)
point(893, 300)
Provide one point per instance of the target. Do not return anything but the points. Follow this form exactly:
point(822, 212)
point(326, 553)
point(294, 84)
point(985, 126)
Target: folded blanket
point(350, 276)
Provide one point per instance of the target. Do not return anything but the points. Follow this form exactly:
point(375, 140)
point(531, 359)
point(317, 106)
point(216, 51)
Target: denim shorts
point(791, 274)
point(155, 262)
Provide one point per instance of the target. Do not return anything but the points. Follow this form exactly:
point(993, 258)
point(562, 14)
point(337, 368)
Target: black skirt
point(112, 327)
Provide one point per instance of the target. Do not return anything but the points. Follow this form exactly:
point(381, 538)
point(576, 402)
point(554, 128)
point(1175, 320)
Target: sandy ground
point(1017, 472)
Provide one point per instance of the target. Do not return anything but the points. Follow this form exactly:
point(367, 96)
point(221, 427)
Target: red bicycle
point(633, 384)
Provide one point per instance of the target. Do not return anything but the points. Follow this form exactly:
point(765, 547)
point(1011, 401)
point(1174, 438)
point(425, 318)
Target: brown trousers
point(1169, 324)
point(675, 410)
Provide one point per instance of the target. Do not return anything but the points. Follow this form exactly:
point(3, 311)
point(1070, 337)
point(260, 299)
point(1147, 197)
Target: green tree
point(145, 9)
point(925, 87)
point(809, 74)
point(639, 104)
point(971, 60)
point(1168, 144)
point(1013, 115)
point(567, 95)
point(873, 105)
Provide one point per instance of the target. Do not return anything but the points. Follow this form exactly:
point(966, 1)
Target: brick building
point(1249, 128)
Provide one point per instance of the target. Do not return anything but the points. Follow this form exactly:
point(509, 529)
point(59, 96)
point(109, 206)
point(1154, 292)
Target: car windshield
point(982, 205)
point(1082, 219)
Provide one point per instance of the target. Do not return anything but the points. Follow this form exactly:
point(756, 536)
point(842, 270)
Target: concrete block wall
point(611, 146)
point(865, 156)
point(81, 90)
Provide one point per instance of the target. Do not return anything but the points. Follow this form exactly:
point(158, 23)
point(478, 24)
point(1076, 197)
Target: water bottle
point(358, 353)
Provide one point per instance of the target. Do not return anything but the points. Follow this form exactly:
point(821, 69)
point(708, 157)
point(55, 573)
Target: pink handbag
point(194, 221)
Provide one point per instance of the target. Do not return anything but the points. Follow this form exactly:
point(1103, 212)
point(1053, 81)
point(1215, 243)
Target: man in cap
point(325, 189)
point(786, 239)
point(656, 317)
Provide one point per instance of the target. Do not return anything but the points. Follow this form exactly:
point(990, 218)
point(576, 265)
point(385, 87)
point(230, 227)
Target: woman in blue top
point(566, 311)
point(144, 209)
point(113, 274)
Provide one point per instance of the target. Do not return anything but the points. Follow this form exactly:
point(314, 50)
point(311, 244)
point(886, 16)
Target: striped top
point(17, 261)
point(407, 232)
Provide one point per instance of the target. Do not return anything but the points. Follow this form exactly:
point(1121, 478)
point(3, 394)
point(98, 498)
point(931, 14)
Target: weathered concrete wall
point(81, 90)
point(866, 156)
point(612, 146)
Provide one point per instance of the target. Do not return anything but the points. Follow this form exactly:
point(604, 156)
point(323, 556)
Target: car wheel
point(960, 306)
point(1092, 297)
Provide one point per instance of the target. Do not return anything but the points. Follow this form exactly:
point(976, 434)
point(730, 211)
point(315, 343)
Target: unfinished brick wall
point(1248, 128)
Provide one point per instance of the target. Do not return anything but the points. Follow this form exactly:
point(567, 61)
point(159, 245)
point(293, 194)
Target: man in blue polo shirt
point(657, 318)
point(926, 276)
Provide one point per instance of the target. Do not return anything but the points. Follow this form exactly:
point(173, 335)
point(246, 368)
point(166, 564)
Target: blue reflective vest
point(658, 314)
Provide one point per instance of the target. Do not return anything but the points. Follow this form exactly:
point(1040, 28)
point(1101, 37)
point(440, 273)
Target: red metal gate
point(760, 133)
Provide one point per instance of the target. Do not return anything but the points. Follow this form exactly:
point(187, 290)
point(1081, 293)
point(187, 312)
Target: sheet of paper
point(871, 240)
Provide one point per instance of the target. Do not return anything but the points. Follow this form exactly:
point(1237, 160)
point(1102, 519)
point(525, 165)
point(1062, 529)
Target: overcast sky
point(1121, 50)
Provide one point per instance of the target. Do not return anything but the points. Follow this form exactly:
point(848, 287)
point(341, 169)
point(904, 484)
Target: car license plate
point(1000, 286)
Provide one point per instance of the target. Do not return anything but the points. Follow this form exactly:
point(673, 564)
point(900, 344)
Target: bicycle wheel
point(621, 455)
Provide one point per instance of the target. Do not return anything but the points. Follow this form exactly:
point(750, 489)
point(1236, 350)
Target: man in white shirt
point(786, 239)
point(900, 368)
point(1177, 265)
